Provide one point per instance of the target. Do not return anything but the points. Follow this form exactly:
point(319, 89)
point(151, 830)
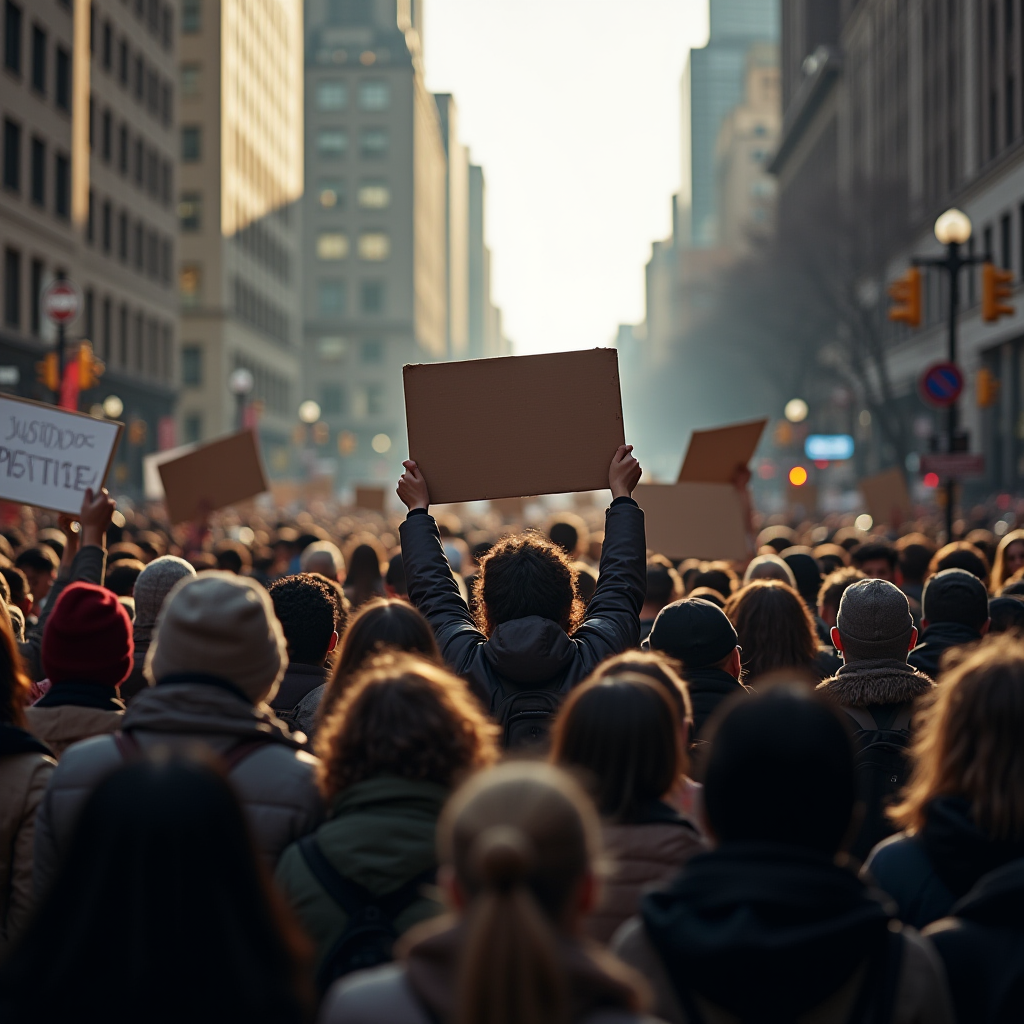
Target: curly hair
point(305, 607)
point(527, 575)
point(406, 717)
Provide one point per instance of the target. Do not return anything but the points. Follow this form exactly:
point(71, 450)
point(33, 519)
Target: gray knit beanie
point(221, 625)
point(155, 582)
point(874, 621)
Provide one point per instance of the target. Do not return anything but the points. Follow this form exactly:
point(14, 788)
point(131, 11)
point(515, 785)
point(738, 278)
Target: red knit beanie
point(87, 638)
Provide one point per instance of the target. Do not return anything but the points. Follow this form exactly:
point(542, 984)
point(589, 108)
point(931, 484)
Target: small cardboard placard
point(515, 425)
point(49, 457)
point(217, 474)
point(713, 456)
point(694, 520)
point(152, 485)
point(887, 498)
point(370, 499)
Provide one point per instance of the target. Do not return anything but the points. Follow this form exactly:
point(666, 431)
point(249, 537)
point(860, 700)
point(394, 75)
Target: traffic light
point(996, 286)
point(47, 371)
point(90, 369)
point(987, 388)
point(905, 292)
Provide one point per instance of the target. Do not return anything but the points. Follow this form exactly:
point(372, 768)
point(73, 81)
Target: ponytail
point(511, 971)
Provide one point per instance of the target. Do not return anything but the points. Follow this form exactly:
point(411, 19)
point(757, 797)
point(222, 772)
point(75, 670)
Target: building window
point(332, 195)
point(190, 285)
point(12, 37)
point(39, 59)
point(122, 236)
point(373, 143)
point(331, 96)
point(191, 16)
point(12, 156)
point(191, 144)
point(331, 349)
point(106, 225)
point(140, 78)
point(122, 346)
point(374, 195)
point(90, 223)
point(107, 136)
point(332, 143)
point(122, 149)
point(37, 172)
point(140, 162)
point(331, 296)
point(90, 312)
point(106, 334)
point(331, 245)
point(1005, 235)
point(374, 400)
point(371, 297)
point(165, 103)
point(374, 95)
point(122, 62)
point(62, 186)
point(107, 46)
point(189, 79)
point(372, 351)
point(192, 428)
point(374, 246)
point(12, 288)
point(332, 402)
point(63, 89)
point(191, 366)
point(190, 211)
point(35, 294)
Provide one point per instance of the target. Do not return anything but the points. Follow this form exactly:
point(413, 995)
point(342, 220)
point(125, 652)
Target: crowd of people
point(349, 769)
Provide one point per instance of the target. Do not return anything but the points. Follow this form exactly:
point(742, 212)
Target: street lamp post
point(240, 383)
point(309, 414)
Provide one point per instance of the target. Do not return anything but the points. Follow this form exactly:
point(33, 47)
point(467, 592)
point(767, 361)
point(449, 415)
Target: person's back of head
point(957, 596)
point(831, 557)
point(570, 533)
point(663, 583)
point(364, 565)
point(20, 593)
point(874, 622)
point(960, 555)
point(985, 541)
point(621, 733)
point(121, 579)
point(1006, 615)
point(781, 771)
point(774, 628)
point(305, 607)
point(807, 574)
point(694, 632)
point(394, 580)
point(586, 582)
point(914, 551)
point(776, 537)
point(162, 875)
point(324, 558)
point(153, 585)
point(831, 592)
point(233, 556)
point(38, 563)
point(660, 668)
point(769, 567)
point(877, 559)
point(718, 576)
point(527, 575)
point(404, 717)
point(522, 840)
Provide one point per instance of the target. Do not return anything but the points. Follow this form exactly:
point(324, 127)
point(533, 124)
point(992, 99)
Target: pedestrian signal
point(47, 371)
point(987, 388)
point(996, 287)
point(905, 292)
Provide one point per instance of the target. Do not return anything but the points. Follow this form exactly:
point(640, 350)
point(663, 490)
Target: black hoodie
point(938, 638)
point(765, 932)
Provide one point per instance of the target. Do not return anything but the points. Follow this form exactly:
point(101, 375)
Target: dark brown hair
point(999, 565)
point(406, 717)
point(960, 555)
point(656, 665)
point(774, 627)
point(834, 585)
point(15, 686)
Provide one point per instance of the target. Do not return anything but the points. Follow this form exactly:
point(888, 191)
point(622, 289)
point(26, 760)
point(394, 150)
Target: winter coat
point(531, 653)
point(380, 835)
point(751, 926)
point(25, 769)
point(982, 946)
point(708, 688)
point(275, 785)
point(938, 638)
point(642, 856)
point(927, 872)
point(298, 682)
point(72, 712)
point(305, 716)
point(422, 989)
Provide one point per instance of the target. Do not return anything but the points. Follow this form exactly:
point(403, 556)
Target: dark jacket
point(935, 641)
point(753, 926)
point(298, 681)
point(708, 688)
point(875, 683)
point(532, 653)
point(982, 946)
point(926, 873)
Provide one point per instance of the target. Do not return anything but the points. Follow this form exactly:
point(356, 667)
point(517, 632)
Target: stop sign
point(61, 302)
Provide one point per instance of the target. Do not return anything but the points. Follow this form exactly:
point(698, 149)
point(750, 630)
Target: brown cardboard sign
point(515, 425)
point(694, 520)
point(214, 475)
point(713, 456)
point(370, 498)
point(887, 498)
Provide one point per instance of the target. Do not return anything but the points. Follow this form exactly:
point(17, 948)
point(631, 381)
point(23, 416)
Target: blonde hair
point(998, 577)
point(968, 742)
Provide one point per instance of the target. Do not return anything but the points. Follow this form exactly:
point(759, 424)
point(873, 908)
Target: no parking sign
point(940, 385)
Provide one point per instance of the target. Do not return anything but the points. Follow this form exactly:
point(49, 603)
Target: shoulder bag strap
point(349, 896)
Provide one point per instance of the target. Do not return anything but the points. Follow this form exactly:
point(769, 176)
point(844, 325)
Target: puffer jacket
point(642, 856)
point(72, 712)
point(276, 785)
point(25, 769)
point(532, 653)
point(380, 835)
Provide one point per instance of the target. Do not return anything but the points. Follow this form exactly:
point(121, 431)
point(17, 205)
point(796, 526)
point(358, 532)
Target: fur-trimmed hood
point(862, 684)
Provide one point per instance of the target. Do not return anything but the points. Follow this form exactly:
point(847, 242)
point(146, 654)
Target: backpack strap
point(131, 750)
point(864, 719)
point(902, 722)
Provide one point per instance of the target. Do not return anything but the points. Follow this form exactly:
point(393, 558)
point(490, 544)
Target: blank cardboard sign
point(370, 498)
point(887, 498)
point(214, 475)
point(516, 425)
point(713, 455)
point(694, 520)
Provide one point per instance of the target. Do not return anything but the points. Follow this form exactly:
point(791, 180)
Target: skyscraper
point(713, 83)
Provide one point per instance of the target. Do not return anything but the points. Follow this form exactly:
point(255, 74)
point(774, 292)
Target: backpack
point(525, 717)
point(881, 767)
point(369, 935)
point(131, 750)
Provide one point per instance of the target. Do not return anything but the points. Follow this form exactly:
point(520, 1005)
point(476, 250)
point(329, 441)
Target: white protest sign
point(152, 485)
point(49, 457)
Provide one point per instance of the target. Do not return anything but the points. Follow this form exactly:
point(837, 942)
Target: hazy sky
point(572, 108)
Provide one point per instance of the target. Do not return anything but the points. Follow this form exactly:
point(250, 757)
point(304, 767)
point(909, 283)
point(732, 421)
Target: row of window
point(39, 48)
point(149, 169)
point(332, 95)
point(260, 244)
point(332, 143)
point(372, 246)
point(332, 298)
point(270, 388)
point(255, 309)
point(135, 244)
point(158, 17)
point(333, 348)
point(361, 402)
point(372, 194)
point(13, 298)
point(38, 190)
